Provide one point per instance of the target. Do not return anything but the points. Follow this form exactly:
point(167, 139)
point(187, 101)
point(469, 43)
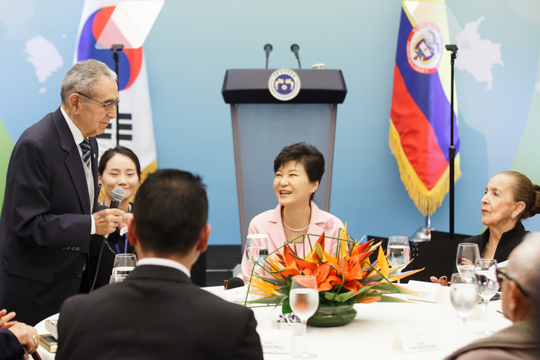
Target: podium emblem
point(284, 84)
point(424, 48)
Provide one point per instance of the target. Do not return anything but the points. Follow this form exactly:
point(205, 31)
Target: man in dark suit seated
point(157, 313)
point(16, 339)
point(519, 286)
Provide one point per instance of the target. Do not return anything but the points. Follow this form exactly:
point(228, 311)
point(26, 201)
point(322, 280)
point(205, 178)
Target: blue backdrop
point(194, 42)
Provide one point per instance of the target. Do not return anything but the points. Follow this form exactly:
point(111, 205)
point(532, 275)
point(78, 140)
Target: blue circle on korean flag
point(284, 84)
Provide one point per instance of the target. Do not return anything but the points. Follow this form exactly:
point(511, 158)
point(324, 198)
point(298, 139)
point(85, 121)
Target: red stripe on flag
point(101, 20)
point(417, 137)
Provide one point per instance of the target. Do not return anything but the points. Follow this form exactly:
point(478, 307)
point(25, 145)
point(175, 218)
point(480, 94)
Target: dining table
point(379, 330)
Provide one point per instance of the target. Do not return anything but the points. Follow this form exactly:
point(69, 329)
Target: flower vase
point(328, 316)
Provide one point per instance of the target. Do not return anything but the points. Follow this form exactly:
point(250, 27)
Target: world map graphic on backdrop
point(479, 55)
point(42, 53)
point(44, 56)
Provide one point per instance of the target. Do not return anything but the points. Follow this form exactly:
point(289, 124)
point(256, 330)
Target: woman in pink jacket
point(299, 169)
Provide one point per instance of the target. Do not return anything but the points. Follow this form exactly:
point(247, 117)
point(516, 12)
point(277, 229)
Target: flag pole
point(115, 48)
point(452, 149)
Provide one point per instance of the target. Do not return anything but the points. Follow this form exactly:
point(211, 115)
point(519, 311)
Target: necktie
point(86, 152)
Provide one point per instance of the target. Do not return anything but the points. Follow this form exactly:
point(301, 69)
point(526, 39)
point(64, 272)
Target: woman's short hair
point(122, 150)
point(84, 77)
point(524, 190)
point(307, 155)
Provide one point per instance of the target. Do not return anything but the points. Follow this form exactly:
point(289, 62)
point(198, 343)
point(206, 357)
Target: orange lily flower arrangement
point(346, 278)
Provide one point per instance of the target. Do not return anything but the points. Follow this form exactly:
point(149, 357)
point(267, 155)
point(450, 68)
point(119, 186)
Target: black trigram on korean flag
point(125, 128)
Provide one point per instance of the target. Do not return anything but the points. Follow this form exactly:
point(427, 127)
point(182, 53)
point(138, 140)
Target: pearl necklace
point(295, 230)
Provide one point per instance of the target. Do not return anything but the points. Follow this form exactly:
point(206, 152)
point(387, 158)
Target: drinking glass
point(487, 284)
point(304, 301)
point(465, 258)
point(398, 251)
point(123, 265)
point(117, 278)
point(463, 296)
point(256, 248)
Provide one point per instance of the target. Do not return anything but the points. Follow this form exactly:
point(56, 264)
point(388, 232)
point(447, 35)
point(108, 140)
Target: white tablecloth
point(372, 333)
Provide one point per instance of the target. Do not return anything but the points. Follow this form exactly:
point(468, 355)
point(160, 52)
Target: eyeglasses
point(108, 105)
point(502, 275)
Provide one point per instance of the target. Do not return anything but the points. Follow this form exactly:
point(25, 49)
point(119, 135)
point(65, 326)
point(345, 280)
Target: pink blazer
point(269, 223)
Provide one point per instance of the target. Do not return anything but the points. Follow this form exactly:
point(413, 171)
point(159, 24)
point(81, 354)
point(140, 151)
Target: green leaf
point(272, 300)
point(330, 295)
point(392, 299)
point(276, 281)
point(319, 251)
point(346, 296)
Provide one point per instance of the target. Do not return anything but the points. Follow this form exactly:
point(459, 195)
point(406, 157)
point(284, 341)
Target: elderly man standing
point(519, 286)
point(50, 208)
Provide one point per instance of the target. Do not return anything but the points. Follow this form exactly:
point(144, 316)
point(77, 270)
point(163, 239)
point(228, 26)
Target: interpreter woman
point(118, 167)
point(509, 198)
point(298, 171)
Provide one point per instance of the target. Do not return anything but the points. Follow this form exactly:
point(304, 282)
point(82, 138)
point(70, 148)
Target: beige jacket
point(519, 341)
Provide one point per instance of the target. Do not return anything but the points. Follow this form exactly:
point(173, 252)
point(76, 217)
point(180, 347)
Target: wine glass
point(117, 278)
point(465, 258)
point(398, 251)
point(304, 301)
point(487, 284)
point(463, 296)
point(256, 249)
point(123, 265)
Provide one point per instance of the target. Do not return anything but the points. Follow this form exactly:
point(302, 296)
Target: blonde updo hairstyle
point(524, 190)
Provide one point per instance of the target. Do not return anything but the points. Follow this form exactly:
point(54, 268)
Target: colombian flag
point(420, 114)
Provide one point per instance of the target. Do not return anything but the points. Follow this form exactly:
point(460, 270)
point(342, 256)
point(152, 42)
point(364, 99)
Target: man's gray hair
point(524, 266)
point(83, 77)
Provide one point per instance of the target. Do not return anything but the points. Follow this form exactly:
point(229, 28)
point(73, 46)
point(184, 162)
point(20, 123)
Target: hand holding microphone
point(108, 220)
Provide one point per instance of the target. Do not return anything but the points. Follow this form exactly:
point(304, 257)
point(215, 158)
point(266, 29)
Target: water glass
point(117, 279)
point(463, 296)
point(304, 301)
point(256, 248)
point(398, 251)
point(123, 265)
point(487, 284)
point(465, 257)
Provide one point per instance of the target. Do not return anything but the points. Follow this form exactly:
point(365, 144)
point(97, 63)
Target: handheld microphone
point(234, 282)
point(294, 49)
point(117, 195)
point(267, 49)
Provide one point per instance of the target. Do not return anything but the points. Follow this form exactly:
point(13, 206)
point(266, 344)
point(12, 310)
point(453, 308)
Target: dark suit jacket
point(45, 223)
point(509, 241)
point(157, 313)
point(10, 347)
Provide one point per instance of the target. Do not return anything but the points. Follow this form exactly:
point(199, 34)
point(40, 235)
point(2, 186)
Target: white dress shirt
point(164, 262)
point(79, 138)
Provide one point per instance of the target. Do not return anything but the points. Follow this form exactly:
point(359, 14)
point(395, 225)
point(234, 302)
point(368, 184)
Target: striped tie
point(86, 152)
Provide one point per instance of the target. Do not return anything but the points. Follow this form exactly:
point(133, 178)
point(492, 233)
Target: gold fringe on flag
point(427, 201)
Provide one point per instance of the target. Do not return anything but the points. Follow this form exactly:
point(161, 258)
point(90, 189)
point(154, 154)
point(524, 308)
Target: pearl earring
point(513, 217)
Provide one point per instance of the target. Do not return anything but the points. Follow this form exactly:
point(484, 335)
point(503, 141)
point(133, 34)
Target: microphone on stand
point(117, 195)
point(267, 49)
point(294, 49)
